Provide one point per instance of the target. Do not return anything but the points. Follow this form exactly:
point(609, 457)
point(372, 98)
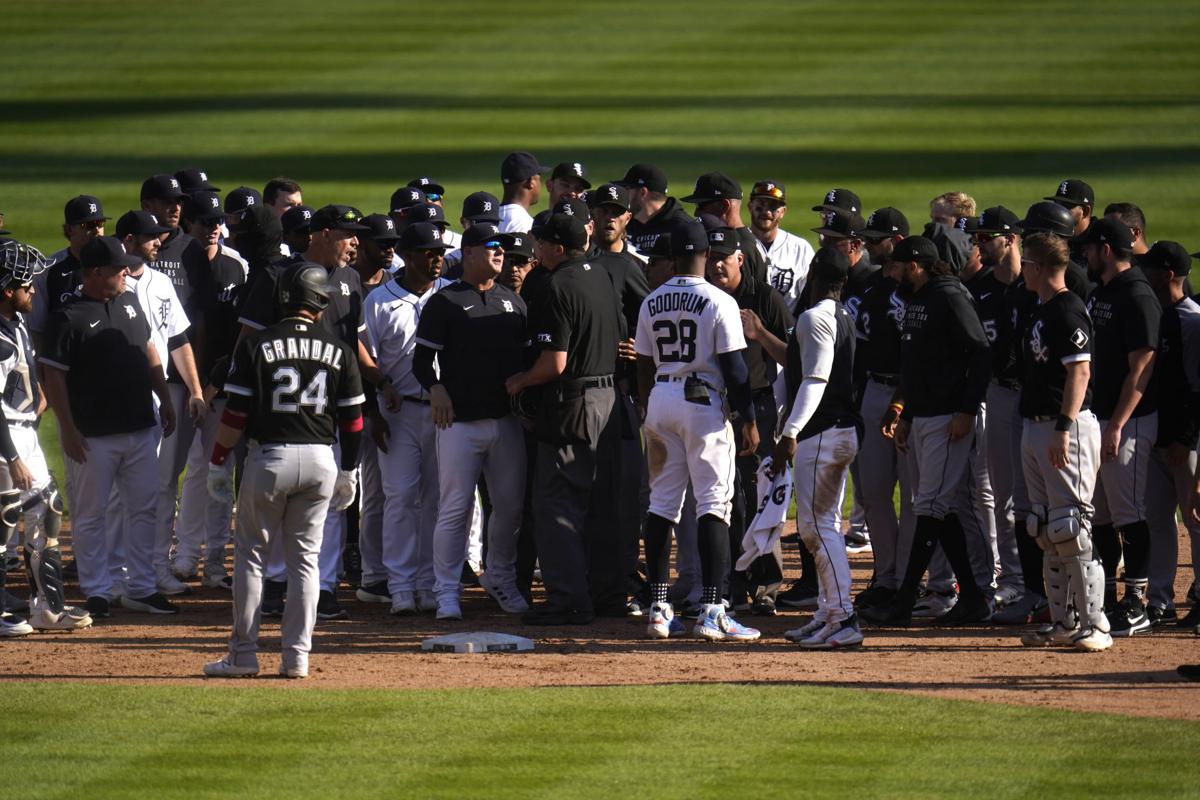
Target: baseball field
point(899, 101)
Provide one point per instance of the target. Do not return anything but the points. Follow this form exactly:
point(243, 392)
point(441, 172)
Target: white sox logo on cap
point(578, 169)
point(203, 176)
point(612, 192)
point(570, 212)
point(831, 197)
point(1062, 188)
point(174, 183)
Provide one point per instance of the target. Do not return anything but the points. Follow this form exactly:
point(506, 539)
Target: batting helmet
point(1048, 217)
point(19, 263)
point(305, 285)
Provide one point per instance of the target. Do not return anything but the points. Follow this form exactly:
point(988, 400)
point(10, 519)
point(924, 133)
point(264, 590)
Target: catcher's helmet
point(19, 263)
point(305, 285)
point(1048, 217)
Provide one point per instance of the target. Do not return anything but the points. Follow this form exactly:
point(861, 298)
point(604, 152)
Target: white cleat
point(70, 618)
point(225, 669)
point(1094, 641)
point(797, 635)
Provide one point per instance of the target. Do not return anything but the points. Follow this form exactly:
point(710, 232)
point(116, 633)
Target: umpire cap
point(305, 285)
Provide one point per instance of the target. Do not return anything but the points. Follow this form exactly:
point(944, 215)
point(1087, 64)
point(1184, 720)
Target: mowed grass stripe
point(676, 741)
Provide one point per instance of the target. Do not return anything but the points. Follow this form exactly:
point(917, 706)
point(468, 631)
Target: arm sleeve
point(737, 383)
point(239, 383)
point(349, 411)
point(808, 398)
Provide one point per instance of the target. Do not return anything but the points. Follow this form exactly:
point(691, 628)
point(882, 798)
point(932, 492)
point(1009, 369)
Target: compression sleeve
point(350, 428)
point(808, 397)
point(737, 383)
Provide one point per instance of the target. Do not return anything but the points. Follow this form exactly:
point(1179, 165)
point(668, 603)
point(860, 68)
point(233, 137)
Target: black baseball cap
point(998, 219)
point(519, 166)
point(572, 206)
point(965, 224)
point(571, 169)
point(660, 249)
point(711, 221)
point(83, 208)
point(842, 225)
point(723, 241)
point(481, 234)
point(106, 251)
point(194, 180)
point(517, 244)
point(427, 185)
point(422, 236)
point(915, 248)
point(689, 238)
point(712, 186)
point(406, 197)
point(830, 265)
point(139, 223)
point(1107, 230)
point(296, 218)
point(481, 207)
point(202, 206)
point(1073, 192)
point(1166, 255)
point(840, 200)
point(381, 229)
point(241, 198)
point(884, 223)
point(161, 187)
point(564, 229)
point(609, 194)
point(770, 190)
point(647, 175)
point(338, 218)
point(426, 212)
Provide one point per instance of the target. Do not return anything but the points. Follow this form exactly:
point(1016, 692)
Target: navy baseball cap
point(406, 197)
point(646, 175)
point(770, 190)
point(1107, 230)
point(161, 187)
point(240, 199)
point(194, 180)
point(519, 166)
point(338, 218)
point(565, 229)
point(1166, 255)
point(723, 241)
point(840, 199)
point(998, 219)
point(884, 223)
point(106, 251)
point(427, 212)
point(915, 248)
point(381, 229)
point(139, 223)
point(481, 207)
point(83, 208)
point(842, 225)
point(830, 265)
point(427, 185)
point(201, 206)
point(422, 236)
point(571, 169)
point(609, 194)
point(689, 238)
point(296, 218)
point(1073, 192)
point(712, 186)
point(481, 234)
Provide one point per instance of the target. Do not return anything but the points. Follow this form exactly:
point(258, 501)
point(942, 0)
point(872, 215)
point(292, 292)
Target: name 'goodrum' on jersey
point(292, 347)
point(676, 301)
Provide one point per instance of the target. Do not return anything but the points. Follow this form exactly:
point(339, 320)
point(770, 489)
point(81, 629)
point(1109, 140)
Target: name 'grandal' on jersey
point(292, 347)
point(676, 301)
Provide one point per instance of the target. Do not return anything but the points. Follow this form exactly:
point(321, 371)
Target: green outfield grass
point(719, 741)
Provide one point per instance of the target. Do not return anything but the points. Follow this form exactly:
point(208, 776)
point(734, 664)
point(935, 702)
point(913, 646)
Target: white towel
point(766, 528)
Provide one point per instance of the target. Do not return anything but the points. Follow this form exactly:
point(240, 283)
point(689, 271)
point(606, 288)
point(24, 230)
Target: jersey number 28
point(287, 381)
point(676, 343)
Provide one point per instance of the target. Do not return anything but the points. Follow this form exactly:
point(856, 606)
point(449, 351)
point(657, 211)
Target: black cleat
point(97, 607)
point(329, 608)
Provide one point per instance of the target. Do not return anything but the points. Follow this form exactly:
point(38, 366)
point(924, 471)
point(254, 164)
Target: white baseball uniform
point(787, 260)
point(514, 218)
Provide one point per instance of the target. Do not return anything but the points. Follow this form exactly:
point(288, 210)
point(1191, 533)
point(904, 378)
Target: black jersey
point(880, 317)
point(63, 283)
point(643, 235)
point(218, 301)
point(579, 314)
point(629, 281)
point(1177, 400)
point(102, 348)
point(343, 317)
point(533, 288)
point(481, 339)
point(292, 380)
point(1017, 312)
point(988, 293)
point(1078, 280)
point(1059, 333)
point(823, 347)
point(771, 308)
point(944, 354)
point(1125, 317)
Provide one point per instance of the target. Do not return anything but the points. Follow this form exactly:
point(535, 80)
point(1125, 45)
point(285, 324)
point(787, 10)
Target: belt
point(1054, 418)
point(23, 423)
point(595, 382)
point(668, 379)
point(411, 399)
point(887, 380)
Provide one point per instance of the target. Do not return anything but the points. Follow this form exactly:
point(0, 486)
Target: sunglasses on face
point(987, 237)
point(433, 197)
point(92, 225)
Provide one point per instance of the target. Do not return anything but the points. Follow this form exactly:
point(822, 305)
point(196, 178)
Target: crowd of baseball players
point(378, 403)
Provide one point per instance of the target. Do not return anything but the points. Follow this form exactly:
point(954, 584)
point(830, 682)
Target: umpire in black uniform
point(576, 327)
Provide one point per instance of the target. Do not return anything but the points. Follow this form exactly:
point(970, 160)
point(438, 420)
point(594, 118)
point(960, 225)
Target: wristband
point(219, 454)
point(1063, 423)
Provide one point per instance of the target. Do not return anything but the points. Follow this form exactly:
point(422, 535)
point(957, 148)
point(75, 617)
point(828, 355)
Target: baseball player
point(281, 194)
point(521, 175)
point(786, 254)
point(654, 213)
point(83, 220)
point(943, 378)
point(405, 435)
point(1126, 317)
point(950, 207)
point(26, 488)
point(689, 342)
point(821, 434)
point(477, 330)
point(293, 387)
point(1060, 447)
point(568, 179)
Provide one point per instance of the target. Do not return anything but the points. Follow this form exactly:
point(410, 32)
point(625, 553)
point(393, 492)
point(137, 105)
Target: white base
point(477, 642)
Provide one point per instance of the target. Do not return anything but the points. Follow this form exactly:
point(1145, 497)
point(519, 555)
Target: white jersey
point(787, 261)
point(18, 375)
point(684, 325)
point(156, 295)
point(514, 219)
point(451, 238)
point(391, 313)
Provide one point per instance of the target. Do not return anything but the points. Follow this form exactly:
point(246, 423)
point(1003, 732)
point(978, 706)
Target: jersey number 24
point(676, 342)
point(287, 381)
